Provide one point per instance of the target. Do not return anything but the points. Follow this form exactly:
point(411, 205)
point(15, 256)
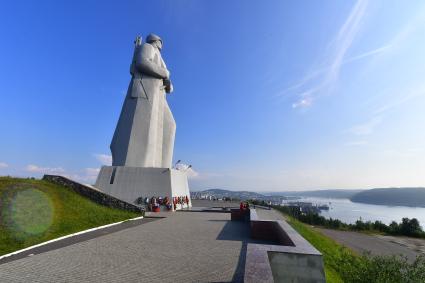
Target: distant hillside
point(320, 193)
point(392, 196)
point(220, 193)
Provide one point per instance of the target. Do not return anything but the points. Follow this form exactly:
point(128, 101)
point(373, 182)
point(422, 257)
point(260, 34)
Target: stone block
point(131, 183)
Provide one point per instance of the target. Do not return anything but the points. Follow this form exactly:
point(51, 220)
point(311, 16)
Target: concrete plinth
point(131, 183)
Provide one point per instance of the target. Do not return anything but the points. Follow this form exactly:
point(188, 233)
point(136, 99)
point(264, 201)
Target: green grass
point(330, 250)
point(344, 265)
point(34, 211)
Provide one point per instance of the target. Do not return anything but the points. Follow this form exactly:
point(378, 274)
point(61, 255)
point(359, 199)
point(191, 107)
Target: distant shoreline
point(410, 197)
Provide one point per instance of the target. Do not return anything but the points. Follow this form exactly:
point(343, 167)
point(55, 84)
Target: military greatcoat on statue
point(144, 136)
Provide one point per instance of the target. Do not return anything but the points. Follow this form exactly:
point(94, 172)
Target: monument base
point(132, 183)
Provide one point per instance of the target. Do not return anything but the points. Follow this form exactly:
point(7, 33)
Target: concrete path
point(375, 244)
point(185, 247)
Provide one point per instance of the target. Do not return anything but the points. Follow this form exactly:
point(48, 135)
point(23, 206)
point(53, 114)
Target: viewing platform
point(198, 245)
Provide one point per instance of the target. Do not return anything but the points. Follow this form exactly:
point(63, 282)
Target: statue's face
point(158, 44)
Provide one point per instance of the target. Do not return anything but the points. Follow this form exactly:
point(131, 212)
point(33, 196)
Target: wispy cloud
point(104, 159)
point(86, 175)
point(402, 98)
point(345, 38)
point(324, 78)
point(45, 170)
point(301, 86)
point(408, 30)
point(366, 128)
point(3, 165)
point(373, 52)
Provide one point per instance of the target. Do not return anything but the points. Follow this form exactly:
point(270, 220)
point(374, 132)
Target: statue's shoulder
point(147, 47)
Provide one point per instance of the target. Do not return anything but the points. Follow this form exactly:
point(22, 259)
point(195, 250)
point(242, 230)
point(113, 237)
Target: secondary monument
point(143, 142)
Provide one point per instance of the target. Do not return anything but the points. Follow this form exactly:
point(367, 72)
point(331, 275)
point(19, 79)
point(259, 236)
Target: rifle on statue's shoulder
point(137, 45)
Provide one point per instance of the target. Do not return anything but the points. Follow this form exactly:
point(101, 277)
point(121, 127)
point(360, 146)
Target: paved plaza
point(184, 247)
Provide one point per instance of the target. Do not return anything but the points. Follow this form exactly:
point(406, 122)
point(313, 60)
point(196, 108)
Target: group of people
point(154, 203)
point(244, 206)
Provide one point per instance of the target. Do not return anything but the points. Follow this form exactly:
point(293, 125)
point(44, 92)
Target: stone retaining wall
point(91, 193)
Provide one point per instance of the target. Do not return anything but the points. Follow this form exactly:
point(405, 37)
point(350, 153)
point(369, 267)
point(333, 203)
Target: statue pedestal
point(131, 183)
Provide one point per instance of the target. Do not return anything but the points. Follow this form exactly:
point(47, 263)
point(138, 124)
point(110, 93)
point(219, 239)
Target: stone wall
point(91, 193)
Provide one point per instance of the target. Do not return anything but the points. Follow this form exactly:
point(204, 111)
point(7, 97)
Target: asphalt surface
point(375, 244)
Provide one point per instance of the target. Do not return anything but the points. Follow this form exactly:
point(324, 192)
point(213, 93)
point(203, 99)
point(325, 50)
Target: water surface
point(349, 212)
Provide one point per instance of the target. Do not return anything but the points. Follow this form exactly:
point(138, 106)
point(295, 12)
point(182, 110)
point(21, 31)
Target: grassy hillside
point(329, 248)
point(392, 196)
point(34, 211)
point(343, 265)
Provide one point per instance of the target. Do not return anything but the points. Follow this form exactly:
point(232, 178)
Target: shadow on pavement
point(239, 231)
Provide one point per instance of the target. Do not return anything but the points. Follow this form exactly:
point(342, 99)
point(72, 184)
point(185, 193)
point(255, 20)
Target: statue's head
point(154, 40)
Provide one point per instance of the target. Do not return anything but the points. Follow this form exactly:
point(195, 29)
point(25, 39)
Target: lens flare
point(30, 211)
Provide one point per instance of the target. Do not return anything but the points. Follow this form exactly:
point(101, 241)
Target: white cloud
point(45, 170)
point(3, 165)
point(366, 128)
point(191, 174)
point(105, 159)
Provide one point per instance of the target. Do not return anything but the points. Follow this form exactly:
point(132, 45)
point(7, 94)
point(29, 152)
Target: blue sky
point(269, 95)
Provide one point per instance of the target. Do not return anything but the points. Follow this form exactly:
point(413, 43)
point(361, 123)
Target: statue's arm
point(146, 65)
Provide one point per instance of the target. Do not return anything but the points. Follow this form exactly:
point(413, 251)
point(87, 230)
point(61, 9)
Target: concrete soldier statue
point(144, 136)
point(143, 141)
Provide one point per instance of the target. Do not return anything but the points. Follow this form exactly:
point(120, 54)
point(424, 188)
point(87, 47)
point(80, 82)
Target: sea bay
point(349, 212)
